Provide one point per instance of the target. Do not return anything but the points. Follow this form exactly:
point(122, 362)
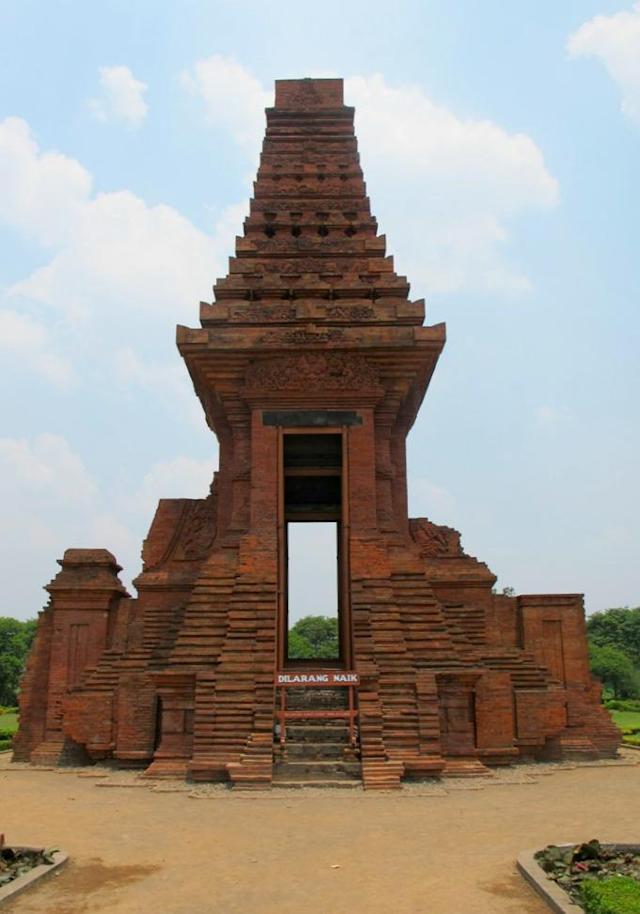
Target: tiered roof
point(311, 270)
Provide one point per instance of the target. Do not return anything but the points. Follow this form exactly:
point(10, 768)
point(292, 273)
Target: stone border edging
point(34, 875)
point(549, 891)
point(556, 897)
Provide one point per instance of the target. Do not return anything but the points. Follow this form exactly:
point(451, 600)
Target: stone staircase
point(591, 732)
point(469, 619)
point(233, 722)
point(525, 672)
point(466, 768)
point(58, 752)
point(317, 751)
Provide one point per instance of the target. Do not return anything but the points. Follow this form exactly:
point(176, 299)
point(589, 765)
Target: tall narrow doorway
point(314, 627)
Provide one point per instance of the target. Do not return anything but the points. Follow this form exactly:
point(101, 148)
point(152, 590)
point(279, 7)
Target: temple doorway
point(313, 533)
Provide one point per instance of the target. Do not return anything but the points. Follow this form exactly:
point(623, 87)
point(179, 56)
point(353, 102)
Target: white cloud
point(615, 41)
point(109, 250)
point(29, 340)
point(51, 501)
point(179, 477)
point(446, 188)
point(121, 98)
point(234, 99)
point(404, 125)
point(121, 252)
point(42, 194)
point(44, 468)
point(113, 261)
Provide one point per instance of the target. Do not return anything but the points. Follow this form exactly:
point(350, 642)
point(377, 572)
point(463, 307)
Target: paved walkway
point(430, 849)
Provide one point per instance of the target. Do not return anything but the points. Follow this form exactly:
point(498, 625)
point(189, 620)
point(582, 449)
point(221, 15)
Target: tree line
point(16, 638)
point(314, 638)
point(614, 650)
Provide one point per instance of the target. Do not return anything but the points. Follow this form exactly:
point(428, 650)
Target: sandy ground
point(436, 848)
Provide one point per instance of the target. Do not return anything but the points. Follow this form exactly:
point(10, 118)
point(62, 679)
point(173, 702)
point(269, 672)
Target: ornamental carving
point(284, 206)
point(200, 530)
point(434, 541)
point(265, 313)
point(301, 336)
point(306, 244)
point(308, 265)
point(183, 530)
point(327, 372)
point(354, 313)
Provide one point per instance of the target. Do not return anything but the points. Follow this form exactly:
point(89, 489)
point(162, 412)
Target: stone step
point(317, 770)
point(58, 752)
point(316, 699)
point(324, 784)
point(466, 768)
point(318, 733)
point(322, 750)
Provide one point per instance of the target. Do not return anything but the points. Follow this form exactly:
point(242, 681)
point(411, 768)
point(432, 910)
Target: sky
point(501, 149)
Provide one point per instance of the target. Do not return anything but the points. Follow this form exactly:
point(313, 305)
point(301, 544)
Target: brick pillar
point(77, 625)
point(384, 473)
point(495, 720)
point(34, 691)
point(362, 476)
point(553, 629)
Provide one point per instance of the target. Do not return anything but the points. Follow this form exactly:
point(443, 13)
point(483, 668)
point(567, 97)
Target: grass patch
point(9, 721)
point(617, 895)
point(8, 727)
point(624, 719)
point(623, 704)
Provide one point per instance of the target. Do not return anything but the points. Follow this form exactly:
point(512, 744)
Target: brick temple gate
point(311, 365)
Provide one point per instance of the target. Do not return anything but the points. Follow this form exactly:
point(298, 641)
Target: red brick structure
point(311, 365)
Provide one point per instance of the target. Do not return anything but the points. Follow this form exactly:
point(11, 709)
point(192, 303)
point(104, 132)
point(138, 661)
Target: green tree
point(16, 638)
point(619, 628)
point(615, 670)
point(314, 638)
point(299, 647)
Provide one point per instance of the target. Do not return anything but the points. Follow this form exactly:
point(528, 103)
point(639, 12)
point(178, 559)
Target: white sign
point(320, 678)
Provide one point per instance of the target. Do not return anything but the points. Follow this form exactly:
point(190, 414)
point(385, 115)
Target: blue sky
point(500, 144)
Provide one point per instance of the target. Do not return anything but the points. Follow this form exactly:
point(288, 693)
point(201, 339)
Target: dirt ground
point(436, 848)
